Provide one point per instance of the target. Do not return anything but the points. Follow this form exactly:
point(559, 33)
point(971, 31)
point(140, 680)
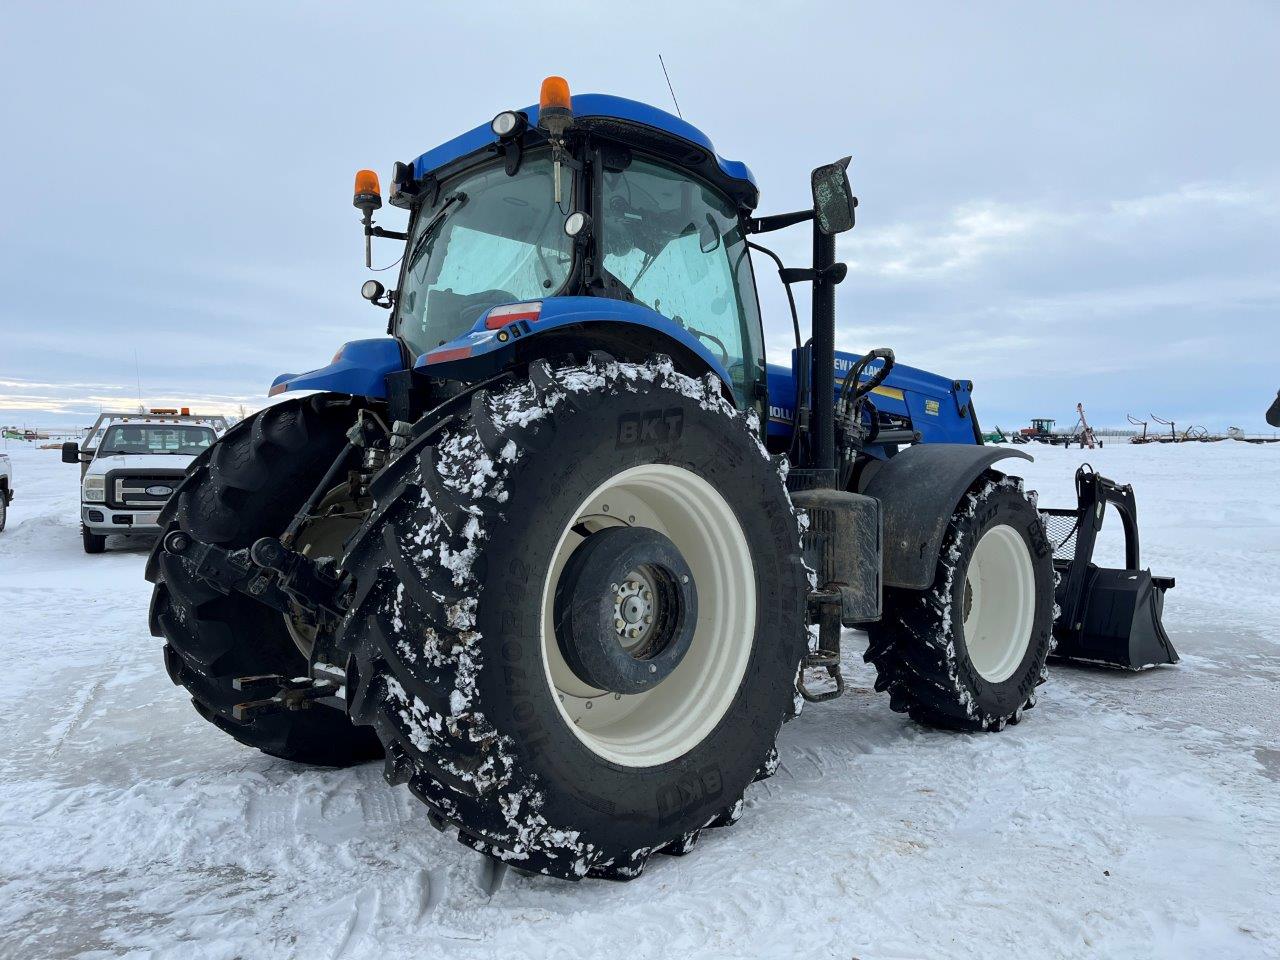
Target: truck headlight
point(95, 489)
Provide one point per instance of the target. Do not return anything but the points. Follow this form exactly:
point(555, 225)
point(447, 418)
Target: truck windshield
point(488, 239)
point(143, 438)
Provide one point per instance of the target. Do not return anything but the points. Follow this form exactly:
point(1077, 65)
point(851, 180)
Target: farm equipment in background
point(1273, 411)
point(1173, 430)
point(1143, 438)
point(1041, 431)
point(554, 547)
point(1083, 433)
point(995, 436)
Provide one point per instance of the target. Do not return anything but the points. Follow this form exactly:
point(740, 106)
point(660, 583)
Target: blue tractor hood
point(623, 119)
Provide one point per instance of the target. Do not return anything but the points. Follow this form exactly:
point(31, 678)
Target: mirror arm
point(776, 222)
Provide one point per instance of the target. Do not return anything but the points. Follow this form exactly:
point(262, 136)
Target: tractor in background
point(565, 550)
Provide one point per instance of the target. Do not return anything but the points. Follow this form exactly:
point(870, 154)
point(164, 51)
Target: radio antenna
point(669, 87)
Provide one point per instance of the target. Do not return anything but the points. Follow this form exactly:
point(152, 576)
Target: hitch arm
point(268, 571)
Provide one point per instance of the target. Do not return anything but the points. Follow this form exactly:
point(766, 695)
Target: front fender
point(918, 490)
point(359, 368)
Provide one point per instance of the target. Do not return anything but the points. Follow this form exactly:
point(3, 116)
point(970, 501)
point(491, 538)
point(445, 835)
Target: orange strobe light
point(368, 195)
point(555, 107)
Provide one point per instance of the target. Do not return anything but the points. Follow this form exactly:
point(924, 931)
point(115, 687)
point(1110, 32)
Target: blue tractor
point(566, 552)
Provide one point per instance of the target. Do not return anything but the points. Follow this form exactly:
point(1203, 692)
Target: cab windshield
point(134, 439)
point(487, 239)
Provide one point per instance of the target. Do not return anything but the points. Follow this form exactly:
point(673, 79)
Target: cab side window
point(677, 245)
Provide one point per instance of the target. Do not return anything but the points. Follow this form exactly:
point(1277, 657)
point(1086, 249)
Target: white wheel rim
point(666, 722)
point(999, 603)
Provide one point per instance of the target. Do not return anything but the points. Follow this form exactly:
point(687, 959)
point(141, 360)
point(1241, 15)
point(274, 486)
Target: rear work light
point(499, 317)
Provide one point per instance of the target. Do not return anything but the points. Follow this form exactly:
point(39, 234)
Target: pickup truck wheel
point(4, 508)
point(248, 485)
point(93, 542)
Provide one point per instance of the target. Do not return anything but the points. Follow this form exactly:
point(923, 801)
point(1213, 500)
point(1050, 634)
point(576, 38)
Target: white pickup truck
point(6, 488)
point(130, 464)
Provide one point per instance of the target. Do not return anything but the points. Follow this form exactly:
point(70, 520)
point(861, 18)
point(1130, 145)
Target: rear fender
point(572, 324)
point(918, 491)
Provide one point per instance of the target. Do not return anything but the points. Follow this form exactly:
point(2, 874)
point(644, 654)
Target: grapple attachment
point(1107, 616)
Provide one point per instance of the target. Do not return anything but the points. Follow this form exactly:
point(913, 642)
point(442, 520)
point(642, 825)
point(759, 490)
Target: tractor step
point(825, 609)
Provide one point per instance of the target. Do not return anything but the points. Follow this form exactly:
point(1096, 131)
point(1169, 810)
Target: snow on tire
point(458, 665)
point(968, 652)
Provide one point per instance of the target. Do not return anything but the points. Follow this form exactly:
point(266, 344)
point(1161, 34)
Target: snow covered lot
point(1127, 816)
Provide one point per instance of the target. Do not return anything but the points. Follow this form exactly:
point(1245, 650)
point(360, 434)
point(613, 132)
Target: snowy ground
point(1129, 815)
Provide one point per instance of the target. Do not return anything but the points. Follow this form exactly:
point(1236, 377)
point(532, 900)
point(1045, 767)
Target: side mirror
point(833, 199)
point(70, 452)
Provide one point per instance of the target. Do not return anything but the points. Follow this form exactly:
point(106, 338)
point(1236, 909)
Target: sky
point(1064, 203)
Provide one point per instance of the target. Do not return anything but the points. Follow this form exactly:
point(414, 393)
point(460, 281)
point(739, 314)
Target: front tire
point(457, 660)
point(92, 542)
point(968, 653)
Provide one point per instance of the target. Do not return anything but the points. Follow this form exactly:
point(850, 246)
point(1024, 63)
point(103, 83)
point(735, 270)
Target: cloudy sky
point(1064, 203)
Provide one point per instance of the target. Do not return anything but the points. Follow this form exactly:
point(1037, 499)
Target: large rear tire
point(458, 658)
point(968, 653)
point(249, 485)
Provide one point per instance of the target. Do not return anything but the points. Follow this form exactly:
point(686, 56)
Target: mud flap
point(1110, 617)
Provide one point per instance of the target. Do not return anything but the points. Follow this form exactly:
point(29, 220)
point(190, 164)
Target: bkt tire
point(968, 653)
point(685, 622)
point(248, 485)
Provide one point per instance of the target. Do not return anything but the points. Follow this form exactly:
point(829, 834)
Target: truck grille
point(143, 490)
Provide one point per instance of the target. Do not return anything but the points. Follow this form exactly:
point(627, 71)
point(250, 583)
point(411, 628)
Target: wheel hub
point(633, 610)
point(625, 609)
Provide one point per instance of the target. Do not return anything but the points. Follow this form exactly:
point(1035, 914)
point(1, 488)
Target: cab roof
point(628, 120)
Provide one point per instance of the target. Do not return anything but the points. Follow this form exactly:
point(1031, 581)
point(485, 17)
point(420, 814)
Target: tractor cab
point(514, 225)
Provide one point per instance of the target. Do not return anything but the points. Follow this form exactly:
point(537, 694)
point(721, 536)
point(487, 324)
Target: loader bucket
point(1109, 617)
point(1120, 625)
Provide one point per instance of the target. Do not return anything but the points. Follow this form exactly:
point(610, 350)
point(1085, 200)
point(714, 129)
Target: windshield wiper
point(423, 243)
